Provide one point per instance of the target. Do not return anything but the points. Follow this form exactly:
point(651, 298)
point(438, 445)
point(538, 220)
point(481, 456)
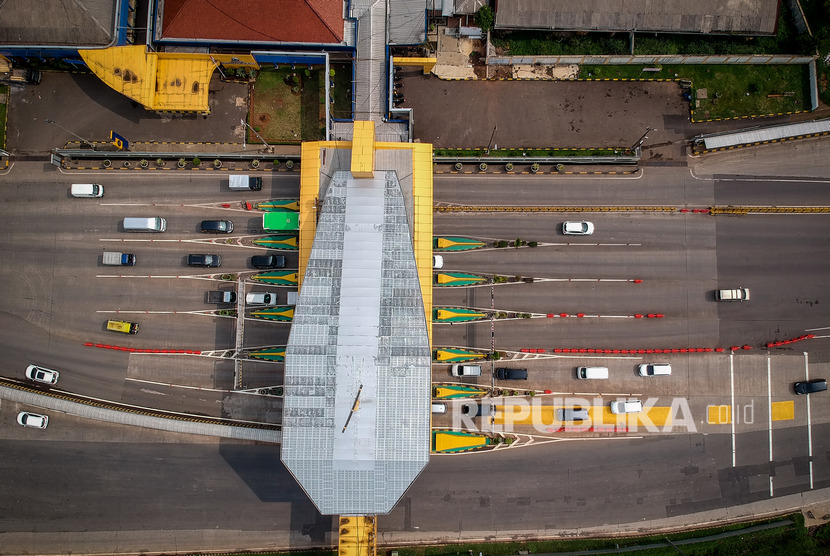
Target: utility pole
point(53, 122)
point(639, 143)
point(490, 142)
point(268, 147)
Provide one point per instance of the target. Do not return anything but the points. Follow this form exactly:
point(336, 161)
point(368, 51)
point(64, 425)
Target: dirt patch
point(501, 72)
point(262, 118)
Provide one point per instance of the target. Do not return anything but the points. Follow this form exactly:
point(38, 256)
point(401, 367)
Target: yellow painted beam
point(357, 536)
point(426, 63)
point(363, 149)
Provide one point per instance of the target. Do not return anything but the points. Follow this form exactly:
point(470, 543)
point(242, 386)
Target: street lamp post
point(268, 148)
point(53, 122)
point(490, 142)
point(639, 142)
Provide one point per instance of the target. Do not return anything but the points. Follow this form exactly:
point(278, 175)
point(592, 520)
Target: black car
point(216, 226)
point(477, 409)
point(504, 373)
point(810, 386)
point(268, 261)
point(204, 260)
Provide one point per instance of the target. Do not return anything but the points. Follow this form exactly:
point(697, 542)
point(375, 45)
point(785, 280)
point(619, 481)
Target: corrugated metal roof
point(407, 21)
point(357, 364)
point(58, 22)
point(766, 134)
point(672, 16)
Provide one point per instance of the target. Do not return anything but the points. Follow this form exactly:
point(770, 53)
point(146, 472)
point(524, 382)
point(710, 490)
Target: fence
point(645, 59)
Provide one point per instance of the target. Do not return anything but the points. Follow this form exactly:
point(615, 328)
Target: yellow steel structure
point(421, 190)
point(363, 150)
point(357, 533)
point(160, 81)
point(357, 536)
point(426, 63)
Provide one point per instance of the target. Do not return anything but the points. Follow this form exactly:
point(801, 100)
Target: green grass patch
point(286, 106)
point(342, 92)
point(731, 91)
point(520, 153)
point(4, 93)
point(313, 105)
point(818, 16)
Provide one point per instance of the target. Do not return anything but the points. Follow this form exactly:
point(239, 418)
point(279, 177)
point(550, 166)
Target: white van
point(149, 224)
point(655, 369)
point(738, 294)
point(592, 372)
point(466, 370)
point(87, 190)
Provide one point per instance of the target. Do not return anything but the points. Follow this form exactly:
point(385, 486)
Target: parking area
point(478, 114)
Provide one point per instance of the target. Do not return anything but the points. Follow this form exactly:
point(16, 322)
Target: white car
point(654, 369)
point(437, 261)
point(40, 374)
point(33, 420)
point(261, 298)
point(630, 406)
point(581, 228)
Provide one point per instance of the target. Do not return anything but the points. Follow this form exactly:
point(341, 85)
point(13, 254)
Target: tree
point(485, 18)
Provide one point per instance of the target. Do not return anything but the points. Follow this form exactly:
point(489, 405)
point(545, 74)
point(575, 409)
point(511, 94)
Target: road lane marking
point(732, 403)
point(718, 414)
point(177, 386)
point(769, 415)
point(809, 423)
point(781, 411)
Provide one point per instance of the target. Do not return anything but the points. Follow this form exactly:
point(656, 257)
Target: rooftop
point(57, 22)
point(357, 364)
point(744, 17)
point(287, 21)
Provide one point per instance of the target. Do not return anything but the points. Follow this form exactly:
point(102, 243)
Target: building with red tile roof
point(251, 21)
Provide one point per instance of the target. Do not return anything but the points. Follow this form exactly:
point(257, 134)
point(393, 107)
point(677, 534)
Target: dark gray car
point(504, 373)
point(810, 386)
point(216, 226)
point(268, 261)
point(204, 260)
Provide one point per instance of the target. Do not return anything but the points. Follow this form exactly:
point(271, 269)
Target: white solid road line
point(769, 415)
point(732, 390)
point(809, 423)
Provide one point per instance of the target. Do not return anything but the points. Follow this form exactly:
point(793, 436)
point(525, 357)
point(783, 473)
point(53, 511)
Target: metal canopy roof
point(747, 137)
point(357, 364)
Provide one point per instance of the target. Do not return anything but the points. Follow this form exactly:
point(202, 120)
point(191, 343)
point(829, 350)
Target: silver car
point(41, 374)
point(568, 414)
point(261, 298)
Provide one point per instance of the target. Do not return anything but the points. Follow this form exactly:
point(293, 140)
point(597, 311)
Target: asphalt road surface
point(84, 479)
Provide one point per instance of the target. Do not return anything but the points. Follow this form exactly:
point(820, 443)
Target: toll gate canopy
point(357, 364)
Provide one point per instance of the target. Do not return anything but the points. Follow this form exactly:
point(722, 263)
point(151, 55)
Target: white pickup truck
point(114, 258)
point(737, 294)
